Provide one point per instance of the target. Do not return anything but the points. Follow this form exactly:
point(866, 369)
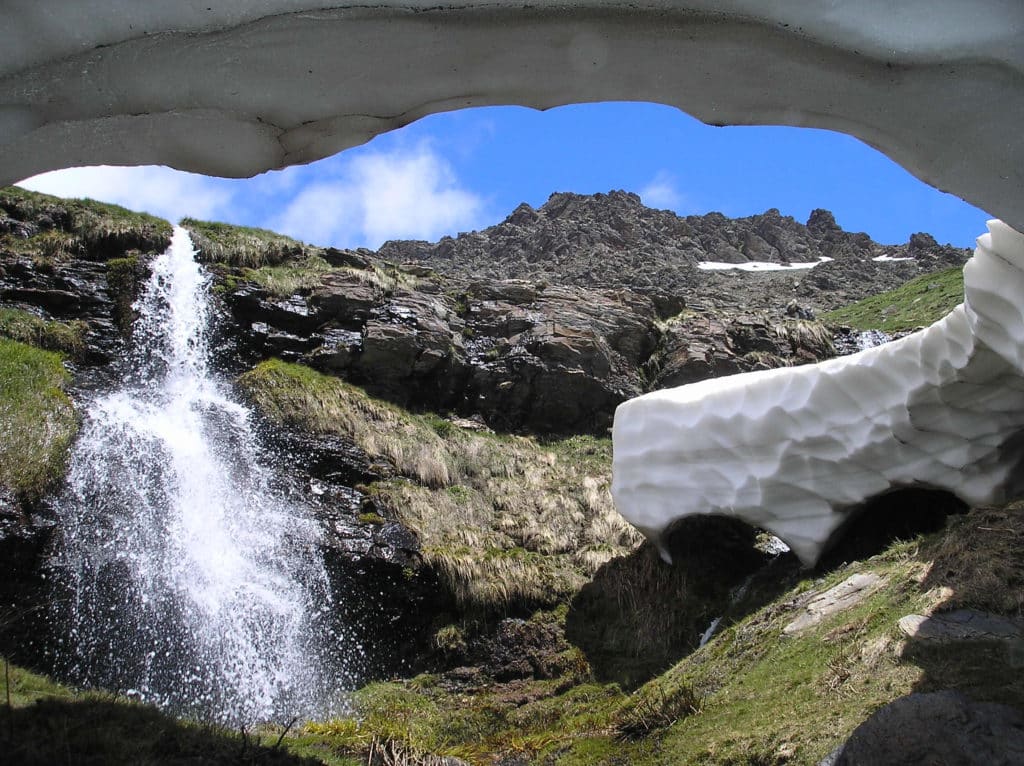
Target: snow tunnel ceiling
point(238, 87)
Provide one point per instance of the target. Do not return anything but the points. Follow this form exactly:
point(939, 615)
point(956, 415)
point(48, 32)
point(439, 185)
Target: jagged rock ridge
point(614, 241)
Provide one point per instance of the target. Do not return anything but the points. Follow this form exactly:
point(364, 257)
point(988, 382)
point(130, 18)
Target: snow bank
point(794, 450)
point(759, 265)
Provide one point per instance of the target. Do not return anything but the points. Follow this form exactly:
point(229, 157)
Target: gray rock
point(815, 607)
point(961, 625)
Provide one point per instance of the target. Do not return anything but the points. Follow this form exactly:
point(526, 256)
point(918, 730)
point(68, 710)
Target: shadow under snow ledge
point(796, 451)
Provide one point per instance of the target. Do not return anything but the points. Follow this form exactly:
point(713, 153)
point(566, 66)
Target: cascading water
point(191, 581)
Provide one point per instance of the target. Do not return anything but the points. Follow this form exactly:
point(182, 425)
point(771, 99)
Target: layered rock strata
point(794, 451)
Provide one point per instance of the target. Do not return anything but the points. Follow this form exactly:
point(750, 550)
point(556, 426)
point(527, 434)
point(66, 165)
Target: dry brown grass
point(508, 521)
point(807, 335)
point(978, 562)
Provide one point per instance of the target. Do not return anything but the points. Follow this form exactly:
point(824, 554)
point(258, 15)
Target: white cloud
point(661, 192)
point(171, 194)
point(407, 194)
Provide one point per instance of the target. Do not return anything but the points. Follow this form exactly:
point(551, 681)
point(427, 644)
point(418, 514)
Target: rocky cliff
point(552, 318)
point(614, 241)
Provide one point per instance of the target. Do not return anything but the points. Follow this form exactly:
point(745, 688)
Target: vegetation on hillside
point(507, 520)
point(44, 723)
point(918, 303)
point(37, 419)
point(243, 245)
point(60, 228)
point(23, 326)
point(753, 695)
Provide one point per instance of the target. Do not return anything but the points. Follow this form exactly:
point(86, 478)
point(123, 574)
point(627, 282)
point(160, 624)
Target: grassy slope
point(753, 695)
point(243, 245)
point(920, 302)
point(506, 519)
point(44, 723)
point(37, 420)
point(79, 224)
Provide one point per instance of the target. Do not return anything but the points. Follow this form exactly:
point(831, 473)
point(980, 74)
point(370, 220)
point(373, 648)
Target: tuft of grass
point(663, 707)
point(296, 276)
point(809, 336)
point(25, 327)
point(978, 563)
point(530, 722)
point(920, 302)
point(37, 419)
point(244, 246)
point(510, 523)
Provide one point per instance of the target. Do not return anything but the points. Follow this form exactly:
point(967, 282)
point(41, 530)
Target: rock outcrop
point(614, 241)
point(522, 355)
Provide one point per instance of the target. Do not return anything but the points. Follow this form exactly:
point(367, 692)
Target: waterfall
point(191, 580)
point(871, 338)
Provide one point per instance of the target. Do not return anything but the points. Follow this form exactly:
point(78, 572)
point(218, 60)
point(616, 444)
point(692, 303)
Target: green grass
point(919, 303)
point(81, 226)
point(421, 718)
point(37, 420)
point(753, 695)
point(292, 277)
point(244, 246)
point(26, 327)
point(44, 723)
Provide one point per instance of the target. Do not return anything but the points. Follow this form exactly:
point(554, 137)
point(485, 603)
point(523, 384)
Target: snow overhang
point(236, 88)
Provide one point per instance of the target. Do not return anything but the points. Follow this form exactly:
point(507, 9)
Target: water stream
point(190, 580)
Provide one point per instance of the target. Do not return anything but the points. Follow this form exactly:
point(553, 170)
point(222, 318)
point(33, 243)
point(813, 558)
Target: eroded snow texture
point(794, 450)
point(237, 87)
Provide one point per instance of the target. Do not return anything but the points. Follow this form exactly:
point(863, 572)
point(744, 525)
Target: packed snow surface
point(759, 265)
point(237, 87)
point(795, 450)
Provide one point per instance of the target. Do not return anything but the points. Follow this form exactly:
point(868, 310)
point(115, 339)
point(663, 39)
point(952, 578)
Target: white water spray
point(192, 581)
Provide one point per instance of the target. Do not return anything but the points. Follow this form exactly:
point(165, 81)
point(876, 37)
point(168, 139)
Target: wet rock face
point(24, 537)
point(68, 290)
point(388, 597)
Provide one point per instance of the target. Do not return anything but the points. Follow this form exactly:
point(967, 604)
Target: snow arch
point(236, 87)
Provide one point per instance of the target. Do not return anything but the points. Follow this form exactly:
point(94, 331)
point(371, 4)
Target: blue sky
point(466, 170)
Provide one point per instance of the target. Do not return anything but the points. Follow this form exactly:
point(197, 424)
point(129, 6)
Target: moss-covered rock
point(125, 278)
point(23, 326)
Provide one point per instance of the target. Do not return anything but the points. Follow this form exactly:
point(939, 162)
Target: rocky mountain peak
point(821, 223)
point(613, 240)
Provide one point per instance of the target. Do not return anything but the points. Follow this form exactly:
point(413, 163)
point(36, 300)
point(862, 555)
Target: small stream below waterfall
point(185, 577)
